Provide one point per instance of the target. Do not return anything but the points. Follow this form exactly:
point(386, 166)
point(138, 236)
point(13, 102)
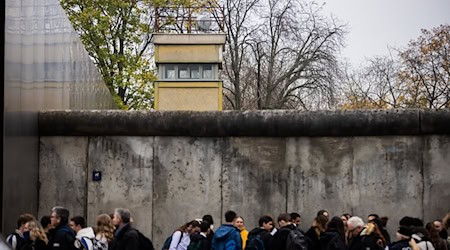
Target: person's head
point(105, 226)
point(230, 216)
point(36, 231)
point(193, 227)
point(337, 225)
point(345, 218)
point(77, 223)
point(46, 222)
point(284, 220)
point(208, 218)
point(296, 218)
point(355, 225)
point(121, 217)
point(404, 233)
point(22, 220)
point(438, 225)
point(205, 227)
point(266, 223)
point(406, 221)
point(384, 220)
point(324, 213)
point(372, 217)
point(320, 223)
point(60, 216)
point(239, 223)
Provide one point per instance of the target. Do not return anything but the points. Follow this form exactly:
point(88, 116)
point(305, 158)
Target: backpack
point(254, 242)
point(90, 243)
point(296, 240)
point(144, 242)
point(167, 242)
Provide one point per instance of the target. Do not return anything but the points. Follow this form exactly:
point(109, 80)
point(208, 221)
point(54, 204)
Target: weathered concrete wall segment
point(167, 180)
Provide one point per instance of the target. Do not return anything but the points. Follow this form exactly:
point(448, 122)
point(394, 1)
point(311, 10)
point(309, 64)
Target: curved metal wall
point(46, 67)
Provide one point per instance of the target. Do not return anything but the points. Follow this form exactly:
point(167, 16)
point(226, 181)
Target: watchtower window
point(188, 72)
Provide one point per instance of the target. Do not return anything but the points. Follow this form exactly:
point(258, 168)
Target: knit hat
point(406, 231)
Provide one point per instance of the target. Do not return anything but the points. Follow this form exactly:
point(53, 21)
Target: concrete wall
point(167, 180)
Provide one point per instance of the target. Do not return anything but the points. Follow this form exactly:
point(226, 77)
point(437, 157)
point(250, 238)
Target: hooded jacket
point(227, 237)
point(84, 239)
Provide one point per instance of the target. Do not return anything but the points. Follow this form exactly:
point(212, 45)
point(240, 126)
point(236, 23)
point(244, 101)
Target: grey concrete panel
point(436, 171)
point(187, 182)
point(126, 164)
point(254, 177)
point(387, 177)
point(62, 174)
point(320, 176)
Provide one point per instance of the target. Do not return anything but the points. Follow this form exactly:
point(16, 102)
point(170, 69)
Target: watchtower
point(189, 55)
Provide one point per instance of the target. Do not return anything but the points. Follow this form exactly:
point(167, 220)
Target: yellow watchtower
point(188, 65)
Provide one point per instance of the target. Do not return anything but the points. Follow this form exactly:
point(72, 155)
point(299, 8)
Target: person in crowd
point(199, 241)
point(227, 234)
point(440, 228)
point(334, 237)
point(84, 236)
point(362, 237)
point(318, 226)
point(265, 227)
point(372, 217)
point(296, 219)
point(182, 236)
point(403, 237)
point(324, 213)
point(104, 229)
point(125, 236)
point(46, 224)
point(421, 238)
point(16, 239)
point(435, 238)
point(208, 218)
point(36, 238)
point(344, 218)
point(384, 235)
point(62, 237)
point(280, 238)
point(239, 223)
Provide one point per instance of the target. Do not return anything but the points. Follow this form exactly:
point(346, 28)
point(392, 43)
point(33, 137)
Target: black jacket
point(34, 245)
point(199, 241)
point(280, 237)
point(266, 237)
point(61, 238)
point(365, 242)
point(332, 240)
point(125, 238)
point(314, 243)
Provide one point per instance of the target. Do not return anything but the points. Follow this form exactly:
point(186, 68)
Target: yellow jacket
point(244, 236)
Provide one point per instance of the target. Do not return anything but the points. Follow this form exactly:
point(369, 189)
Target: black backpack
point(296, 240)
point(166, 244)
point(254, 242)
point(144, 242)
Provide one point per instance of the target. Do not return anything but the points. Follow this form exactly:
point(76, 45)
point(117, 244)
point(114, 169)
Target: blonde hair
point(105, 226)
point(36, 231)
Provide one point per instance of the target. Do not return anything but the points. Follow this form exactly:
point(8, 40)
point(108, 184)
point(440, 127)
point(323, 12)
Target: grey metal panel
point(46, 67)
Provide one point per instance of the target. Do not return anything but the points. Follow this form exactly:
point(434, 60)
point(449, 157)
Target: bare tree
point(291, 56)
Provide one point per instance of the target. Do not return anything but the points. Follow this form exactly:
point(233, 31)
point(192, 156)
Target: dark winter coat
point(399, 245)
point(61, 238)
point(198, 240)
point(266, 237)
point(365, 242)
point(280, 237)
point(34, 245)
point(332, 240)
point(125, 238)
point(227, 236)
point(314, 242)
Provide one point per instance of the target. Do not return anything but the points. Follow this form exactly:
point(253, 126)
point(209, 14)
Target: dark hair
point(78, 220)
point(384, 220)
point(285, 217)
point(208, 218)
point(336, 225)
point(204, 226)
point(193, 223)
point(45, 221)
point(23, 219)
point(264, 219)
point(294, 216)
point(416, 222)
point(321, 212)
point(374, 215)
point(230, 216)
point(346, 215)
point(406, 221)
point(63, 214)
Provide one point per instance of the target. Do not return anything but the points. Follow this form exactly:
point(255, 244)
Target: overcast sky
point(376, 24)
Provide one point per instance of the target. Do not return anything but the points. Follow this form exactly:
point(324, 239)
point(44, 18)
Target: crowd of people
point(344, 232)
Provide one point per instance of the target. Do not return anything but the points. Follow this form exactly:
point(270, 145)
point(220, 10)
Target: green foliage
point(116, 35)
